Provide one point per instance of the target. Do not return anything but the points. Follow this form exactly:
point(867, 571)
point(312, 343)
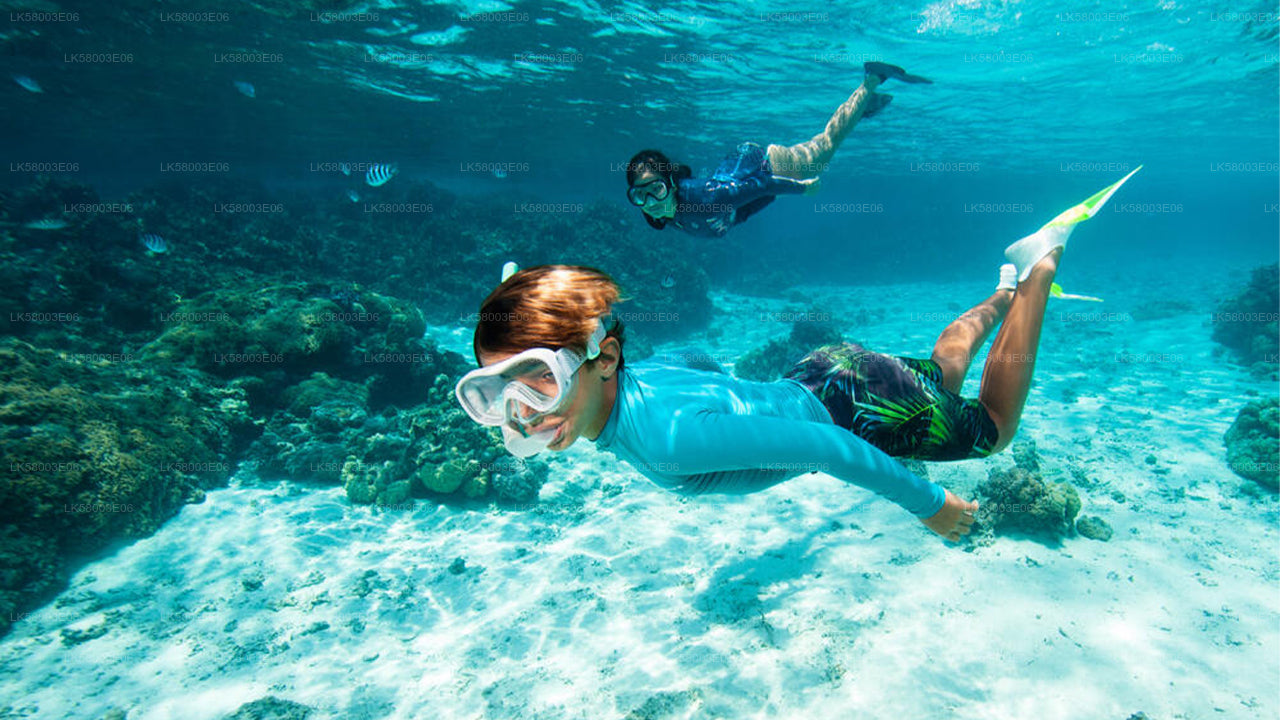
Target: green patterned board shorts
point(897, 404)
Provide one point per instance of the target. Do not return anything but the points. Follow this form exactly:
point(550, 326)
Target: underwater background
point(242, 247)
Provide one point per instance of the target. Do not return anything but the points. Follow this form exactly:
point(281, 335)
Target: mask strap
point(598, 335)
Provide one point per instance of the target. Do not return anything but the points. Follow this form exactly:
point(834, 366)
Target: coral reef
point(1247, 323)
point(1025, 455)
point(327, 431)
point(776, 357)
point(283, 333)
point(666, 704)
point(98, 448)
point(96, 270)
point(1094, 528)
point(271, 708)
point(445, 253)
point(1020, 500)
point(326, 371)
point(1253, 443)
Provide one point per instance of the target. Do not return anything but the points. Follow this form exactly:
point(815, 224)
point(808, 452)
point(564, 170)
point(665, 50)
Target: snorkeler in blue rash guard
point(552, 370)
point(693, 432)
point(752, 176)
point(559, 374)
point(707, 207)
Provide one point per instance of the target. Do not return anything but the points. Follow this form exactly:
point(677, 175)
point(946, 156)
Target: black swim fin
point(892, 72)
point(876, 103)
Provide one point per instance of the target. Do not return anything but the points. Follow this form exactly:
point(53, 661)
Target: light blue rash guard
point(698, 431)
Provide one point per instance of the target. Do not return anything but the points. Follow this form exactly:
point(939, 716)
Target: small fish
point(28, 84)
point(345, 298)
point(345, 168)
point(669, 282)
point(499, 173)
point(46, 224)
point(153, 243)
point(246, 89)
point(353, 195)
point(379, 174)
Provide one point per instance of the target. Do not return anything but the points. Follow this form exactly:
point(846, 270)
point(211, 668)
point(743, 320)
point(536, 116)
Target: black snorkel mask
point(657, 189)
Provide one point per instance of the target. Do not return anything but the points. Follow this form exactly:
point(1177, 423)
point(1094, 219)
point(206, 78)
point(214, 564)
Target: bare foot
point(954, 519)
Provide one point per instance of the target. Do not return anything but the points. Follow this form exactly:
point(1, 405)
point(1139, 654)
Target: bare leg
point(809, 159)
point(1006, 378)
point(960, 341)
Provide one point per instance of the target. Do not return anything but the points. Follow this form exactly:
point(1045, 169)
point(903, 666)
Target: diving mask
point(640, 194)
point(521, 391)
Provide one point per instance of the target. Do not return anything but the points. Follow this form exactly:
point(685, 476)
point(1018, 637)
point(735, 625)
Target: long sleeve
point(708, 442)
point(708, 207)
point(745, 191)
point(779, 185)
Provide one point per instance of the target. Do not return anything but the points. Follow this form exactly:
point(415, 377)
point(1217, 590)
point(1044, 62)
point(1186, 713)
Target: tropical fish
point(345, 298)
point(499, 173)
point(153, 243)
point(28, 84)
point(345, 168)
point(46, 224)
point(353, 195)
point(669, 281)
point(246, 89)
point(379, 174)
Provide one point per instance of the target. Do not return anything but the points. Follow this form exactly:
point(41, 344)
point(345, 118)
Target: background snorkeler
point(752, 176)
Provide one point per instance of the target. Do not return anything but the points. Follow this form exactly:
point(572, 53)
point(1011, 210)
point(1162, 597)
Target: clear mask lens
point(641, 194)
point(521, 416)
point(519, 391)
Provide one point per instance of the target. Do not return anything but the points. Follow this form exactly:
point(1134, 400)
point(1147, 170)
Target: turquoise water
point(223, 353)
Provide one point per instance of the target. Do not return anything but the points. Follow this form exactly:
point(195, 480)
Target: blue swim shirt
point(697, 431)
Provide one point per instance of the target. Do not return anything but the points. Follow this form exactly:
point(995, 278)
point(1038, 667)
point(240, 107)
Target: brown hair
point(550, 306)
